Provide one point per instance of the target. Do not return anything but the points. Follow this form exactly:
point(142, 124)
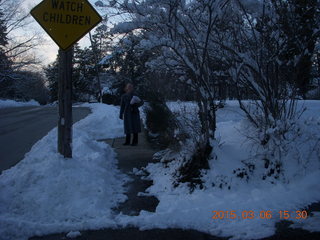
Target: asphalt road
point(22, 127)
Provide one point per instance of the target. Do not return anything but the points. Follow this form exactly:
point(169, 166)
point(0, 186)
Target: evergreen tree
point(83, 75)
point(85, 84)
point(52, 74)
point(298, 21)
point(101, 42)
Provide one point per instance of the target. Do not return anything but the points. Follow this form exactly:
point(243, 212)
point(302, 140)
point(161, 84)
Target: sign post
point(66, 22)
point(65, 103)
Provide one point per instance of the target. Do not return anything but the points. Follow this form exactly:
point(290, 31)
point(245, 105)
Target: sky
point(47, 50)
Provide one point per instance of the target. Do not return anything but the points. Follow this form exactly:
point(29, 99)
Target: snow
point(45, 193)
point(124, 27)
point(178, 208)
point(104, 123)
point(73, 234)
point(6, 103)
point(105, 60)
point(310, 224)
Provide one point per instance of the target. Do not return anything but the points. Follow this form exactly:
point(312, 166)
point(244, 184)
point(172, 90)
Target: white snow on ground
point(11, 103)
point(104, 123)
point(45, 193)
point(180, 209)
point(73, 234)
point(311, 224)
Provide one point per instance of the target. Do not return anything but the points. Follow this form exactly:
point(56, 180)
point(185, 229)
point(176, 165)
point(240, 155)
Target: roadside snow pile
point(11, 103)
point(73, 234)
point(180, 209)
point(46, 193)
point(104, 123)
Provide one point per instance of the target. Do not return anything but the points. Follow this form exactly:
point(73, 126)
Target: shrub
point(161, 123)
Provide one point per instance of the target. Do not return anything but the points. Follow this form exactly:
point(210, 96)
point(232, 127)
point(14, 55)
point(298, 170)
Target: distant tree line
point(17, 79)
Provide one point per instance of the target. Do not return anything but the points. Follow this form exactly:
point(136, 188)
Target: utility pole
point(96, 59)
point(65, 103)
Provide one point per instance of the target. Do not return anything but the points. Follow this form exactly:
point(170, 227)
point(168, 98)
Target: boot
point(127, 142)
point(135, 139)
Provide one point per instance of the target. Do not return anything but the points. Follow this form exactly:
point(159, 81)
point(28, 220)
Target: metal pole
point(96, 67)
point(65, 103)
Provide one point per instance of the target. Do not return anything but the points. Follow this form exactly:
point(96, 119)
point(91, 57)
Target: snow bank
point(73, 234)
point(180, 209)
point(104, 123)
point(11, 103)
point(45, 193)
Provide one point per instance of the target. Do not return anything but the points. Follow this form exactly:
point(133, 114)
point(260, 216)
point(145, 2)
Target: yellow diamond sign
point(66, 21)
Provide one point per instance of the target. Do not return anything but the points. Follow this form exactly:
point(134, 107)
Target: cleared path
point(130, 157)
point(22, 127)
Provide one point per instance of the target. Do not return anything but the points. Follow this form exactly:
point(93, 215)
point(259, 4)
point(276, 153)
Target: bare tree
point(19, 44)
point(16, 49)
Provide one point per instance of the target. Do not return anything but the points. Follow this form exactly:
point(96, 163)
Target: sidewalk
point(130, 157)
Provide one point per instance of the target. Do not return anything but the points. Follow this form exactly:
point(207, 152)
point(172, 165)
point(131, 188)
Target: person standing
point(129, 113)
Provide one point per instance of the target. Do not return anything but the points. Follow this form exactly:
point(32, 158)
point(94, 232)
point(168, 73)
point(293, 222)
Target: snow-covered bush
point(286, 156)
point(161, 124)
point(270, 63)
point(271, 67)
point(184, 140)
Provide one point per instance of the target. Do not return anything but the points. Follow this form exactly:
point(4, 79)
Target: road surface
point(22, 127)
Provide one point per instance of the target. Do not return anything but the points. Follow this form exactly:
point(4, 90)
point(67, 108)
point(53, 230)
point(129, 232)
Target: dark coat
point(130, 114)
